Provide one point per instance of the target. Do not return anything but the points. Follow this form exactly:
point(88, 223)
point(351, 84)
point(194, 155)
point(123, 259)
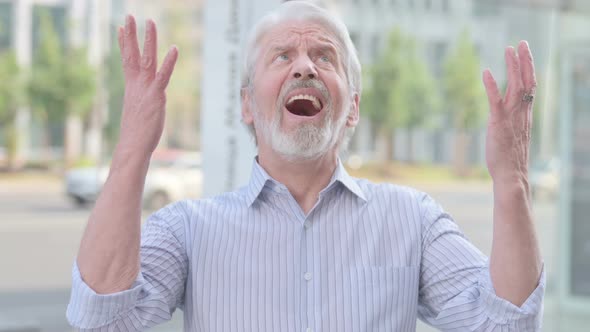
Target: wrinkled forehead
point(290, 33)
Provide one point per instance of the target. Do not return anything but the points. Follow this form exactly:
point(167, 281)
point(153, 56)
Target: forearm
point(108, 258)
point(515, 262)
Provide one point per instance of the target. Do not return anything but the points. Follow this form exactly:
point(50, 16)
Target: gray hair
point(303, 11)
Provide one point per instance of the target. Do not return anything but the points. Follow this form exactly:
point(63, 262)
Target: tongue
point(302, 107)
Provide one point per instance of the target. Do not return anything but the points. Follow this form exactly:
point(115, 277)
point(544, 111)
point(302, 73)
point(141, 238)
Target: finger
point(529, 80)
point(529, 120)
point(494, 96)
point(131, 54)
point(163, 76)
point(515, 89)
point(527, 67)
point(149, 58)
point(120, 36)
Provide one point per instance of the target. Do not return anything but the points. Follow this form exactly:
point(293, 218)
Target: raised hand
point(511, 117)
point(515, 260)
point(109, 259)
point(144, 106)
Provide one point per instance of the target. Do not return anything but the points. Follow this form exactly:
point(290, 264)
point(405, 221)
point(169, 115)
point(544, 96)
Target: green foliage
point(400, 92)
point(11, 97)
point(45, 95)
point(183, 105)
point(465, 96)
point(421, 95)
point(79, 82)
point(62, 81)
point(11, 88)
point(115, 85)
point(11, 140)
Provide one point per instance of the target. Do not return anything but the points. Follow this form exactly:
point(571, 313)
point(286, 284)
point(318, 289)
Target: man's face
point(301, 100)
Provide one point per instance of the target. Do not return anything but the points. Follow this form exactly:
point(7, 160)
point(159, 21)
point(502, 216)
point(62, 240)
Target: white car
point(173, 175)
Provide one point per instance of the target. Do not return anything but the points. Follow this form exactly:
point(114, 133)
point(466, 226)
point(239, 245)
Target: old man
point(304, 246)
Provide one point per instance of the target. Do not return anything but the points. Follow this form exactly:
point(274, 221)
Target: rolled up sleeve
point(157, 291)
point(456, 292)
point(87, 309)
point(527, 317)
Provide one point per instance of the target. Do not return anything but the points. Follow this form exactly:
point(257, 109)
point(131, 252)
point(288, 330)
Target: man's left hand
point(511, 117)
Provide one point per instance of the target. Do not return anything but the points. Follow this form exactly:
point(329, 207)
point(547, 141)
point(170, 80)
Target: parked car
point(544, 178)
point(173, 175)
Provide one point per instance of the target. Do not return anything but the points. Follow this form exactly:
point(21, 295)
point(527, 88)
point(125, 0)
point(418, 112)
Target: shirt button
point(307, 225)
point(307, 276)
point(308, 329)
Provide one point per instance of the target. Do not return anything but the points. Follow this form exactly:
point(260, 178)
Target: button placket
point(308, 275)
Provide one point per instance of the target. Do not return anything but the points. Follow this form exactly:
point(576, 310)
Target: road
point(40, 230)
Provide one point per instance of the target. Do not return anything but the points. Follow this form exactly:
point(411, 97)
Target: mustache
point(302, 84)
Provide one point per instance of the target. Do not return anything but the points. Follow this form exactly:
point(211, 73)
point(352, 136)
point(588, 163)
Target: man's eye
point(283, 57)
point(325, 58)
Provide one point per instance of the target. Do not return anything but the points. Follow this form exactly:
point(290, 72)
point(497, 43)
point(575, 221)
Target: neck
point(304, 178)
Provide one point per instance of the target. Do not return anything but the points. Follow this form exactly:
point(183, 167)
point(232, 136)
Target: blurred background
point(423, 121)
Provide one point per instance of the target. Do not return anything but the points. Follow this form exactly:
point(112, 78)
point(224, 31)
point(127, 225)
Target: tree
point(62, 85)
point(465, 96)
point(179, 24)
point(421, 100)
point(11, 97)
point(400, 91)
point(115, 85)
point(181, 27)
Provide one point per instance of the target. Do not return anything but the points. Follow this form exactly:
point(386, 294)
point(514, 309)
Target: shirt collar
point(342, 176)
point(259, 178)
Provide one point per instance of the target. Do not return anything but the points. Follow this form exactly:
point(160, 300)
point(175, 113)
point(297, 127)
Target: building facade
point(93, 24)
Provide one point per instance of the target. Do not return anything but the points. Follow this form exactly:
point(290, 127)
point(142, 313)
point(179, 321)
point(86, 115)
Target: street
point(40, 230)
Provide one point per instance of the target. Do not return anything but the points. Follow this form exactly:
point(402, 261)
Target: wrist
point(126, 157)
point(513, 181)
point(511, 191)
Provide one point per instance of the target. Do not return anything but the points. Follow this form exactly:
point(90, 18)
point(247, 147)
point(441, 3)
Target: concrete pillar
point(98, 45)
point(22, 11)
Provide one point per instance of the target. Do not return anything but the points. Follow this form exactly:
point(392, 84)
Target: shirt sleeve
point(456, 292)
point(158, 290)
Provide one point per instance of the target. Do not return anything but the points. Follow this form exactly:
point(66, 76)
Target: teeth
point(314, 100)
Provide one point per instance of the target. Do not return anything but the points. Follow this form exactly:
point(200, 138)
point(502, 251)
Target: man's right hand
point(144, 106)
point(109, 255)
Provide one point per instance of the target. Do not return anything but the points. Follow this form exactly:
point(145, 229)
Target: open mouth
point(304, 105)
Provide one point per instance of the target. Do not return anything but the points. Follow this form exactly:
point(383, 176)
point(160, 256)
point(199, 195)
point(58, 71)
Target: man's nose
point(304, 68)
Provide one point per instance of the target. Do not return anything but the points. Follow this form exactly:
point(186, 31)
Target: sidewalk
point(30, 180)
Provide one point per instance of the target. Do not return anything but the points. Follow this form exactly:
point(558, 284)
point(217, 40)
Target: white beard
point(308, 141)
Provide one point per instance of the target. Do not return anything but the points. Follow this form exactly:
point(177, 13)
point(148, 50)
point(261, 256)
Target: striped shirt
point(367, 257)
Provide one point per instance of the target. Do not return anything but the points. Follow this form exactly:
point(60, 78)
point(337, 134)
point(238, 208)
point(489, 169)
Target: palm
point(509, 124)
point(144, 104)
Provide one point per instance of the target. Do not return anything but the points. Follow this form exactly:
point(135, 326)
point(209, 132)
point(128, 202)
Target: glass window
point(439, 50)
point(57, 18)
point(355, 39)
point(485, 8)
point(6, 23)
point(375, 46)
point(445, 6)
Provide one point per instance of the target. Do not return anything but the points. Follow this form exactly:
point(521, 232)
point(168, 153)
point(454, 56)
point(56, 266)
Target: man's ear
point(353, 116)
point(247, 117)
